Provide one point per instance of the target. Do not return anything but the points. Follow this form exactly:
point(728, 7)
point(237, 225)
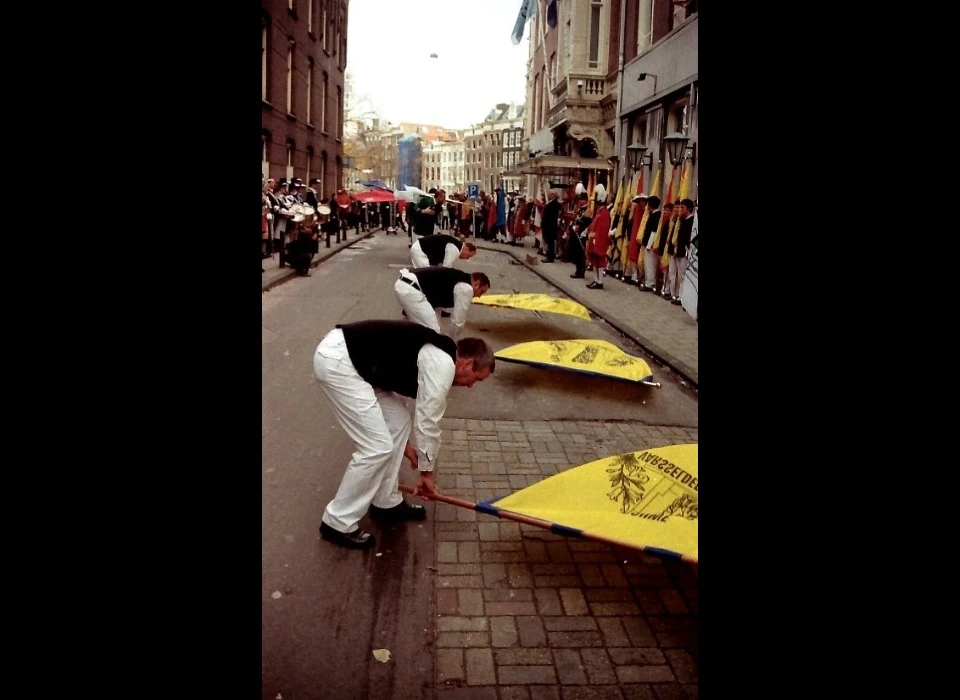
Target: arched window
point(291, 147)
point(323, 104)
point(306, 178)
point(265, 154)
point(321, 191)
point(339, 112)
point(291, 46)
point(310, 88)
point(323, 26)
point(264, 59)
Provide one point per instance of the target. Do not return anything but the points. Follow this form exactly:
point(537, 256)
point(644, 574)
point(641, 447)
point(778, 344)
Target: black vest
point(384, 353)
point(653, 222)
point(435, 246)
point(437, 283)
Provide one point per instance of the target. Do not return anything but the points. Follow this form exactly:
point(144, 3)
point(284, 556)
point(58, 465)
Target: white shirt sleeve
point(435, 371)
point(450, 255)
point(462, 301)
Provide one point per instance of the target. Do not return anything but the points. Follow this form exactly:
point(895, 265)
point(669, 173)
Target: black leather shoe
point(401, 511)
point(546, 260)
point(358, 539)
point(576, 276)
point(444, 314)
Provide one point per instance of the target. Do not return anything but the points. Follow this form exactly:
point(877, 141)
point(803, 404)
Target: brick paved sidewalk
point(524, 614)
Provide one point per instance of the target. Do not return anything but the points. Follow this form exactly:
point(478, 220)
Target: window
point(544, 97)
point(290, 50)
point(306, 178)
point(323, 104)
point(594, 60)
point(310, 16)
point(644, 25)
point(537, 123)
point(264, 53)
point(342, 61)
point(339, 112)
point(292, 5)
point(336, 37)
point(321, 190)
point(678, 120)
point(553, 69)
point(309, 91)
point(265, 156)
point(323, 26)
point(290, 149)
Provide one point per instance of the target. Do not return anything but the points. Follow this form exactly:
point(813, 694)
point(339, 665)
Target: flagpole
point(553, 527)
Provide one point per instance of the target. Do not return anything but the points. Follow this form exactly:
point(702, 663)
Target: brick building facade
point(303, 48)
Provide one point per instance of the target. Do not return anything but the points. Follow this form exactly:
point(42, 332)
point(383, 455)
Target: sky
point(389, 43)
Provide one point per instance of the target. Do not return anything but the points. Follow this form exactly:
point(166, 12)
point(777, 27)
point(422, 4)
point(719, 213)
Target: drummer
point(296, 190)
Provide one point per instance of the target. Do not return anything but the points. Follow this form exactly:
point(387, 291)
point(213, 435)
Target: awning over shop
point(550, 165)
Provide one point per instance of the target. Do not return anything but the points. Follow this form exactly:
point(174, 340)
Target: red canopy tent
point(374, 196)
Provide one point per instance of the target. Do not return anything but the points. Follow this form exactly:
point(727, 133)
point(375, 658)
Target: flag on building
point(528, 8)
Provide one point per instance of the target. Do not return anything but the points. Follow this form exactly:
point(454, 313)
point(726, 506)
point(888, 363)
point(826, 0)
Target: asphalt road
point(326, 609)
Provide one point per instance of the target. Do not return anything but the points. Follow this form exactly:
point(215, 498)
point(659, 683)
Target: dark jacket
point(549, 220)
point(683, 238)
point(653, 223)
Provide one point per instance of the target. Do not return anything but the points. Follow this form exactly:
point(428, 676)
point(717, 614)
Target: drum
point(298, 215)
point(324, 210)
point(309, 215)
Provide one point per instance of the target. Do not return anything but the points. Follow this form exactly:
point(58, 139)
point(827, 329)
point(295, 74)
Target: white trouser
point(379, 424)
point(415, 303)
point(675, 273)
point(651, 261)
point(417, 256)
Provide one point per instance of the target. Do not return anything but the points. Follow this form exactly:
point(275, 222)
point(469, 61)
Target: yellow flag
point(621, 239)
point(535, 302)
point(663, 231)
point(656, 182)
point(648, 499)
point(584, 356)
point(592, 186)
point(686, 184)
point(618, 199)
point(618, 249)
point(638, 228)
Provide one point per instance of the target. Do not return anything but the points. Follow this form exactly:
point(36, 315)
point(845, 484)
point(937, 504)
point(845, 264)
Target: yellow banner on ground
point(647, 500)
point(596, 357)
point(535, 302)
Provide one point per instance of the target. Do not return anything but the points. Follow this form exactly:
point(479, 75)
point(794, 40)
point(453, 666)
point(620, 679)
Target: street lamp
point(635, 156)
point(677, 146)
